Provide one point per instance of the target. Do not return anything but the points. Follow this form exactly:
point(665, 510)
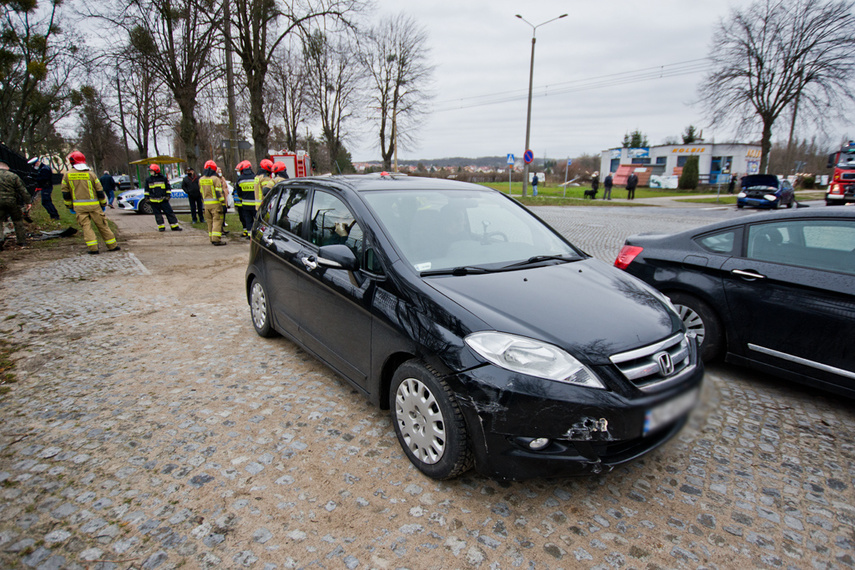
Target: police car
point(134, 200)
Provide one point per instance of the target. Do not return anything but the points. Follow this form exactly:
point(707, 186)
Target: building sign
point(641, 152)
point(615, 153)
point(753, 153)
point(689, 150)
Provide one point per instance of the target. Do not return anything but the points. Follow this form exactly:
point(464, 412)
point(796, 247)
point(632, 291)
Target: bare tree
point(395, 57)
point(257, 39)
point(777, 55)
point(287, 92)
point(333, 89)
point(96, 139)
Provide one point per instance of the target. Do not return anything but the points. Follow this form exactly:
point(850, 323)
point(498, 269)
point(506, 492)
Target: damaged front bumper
point(523, 427)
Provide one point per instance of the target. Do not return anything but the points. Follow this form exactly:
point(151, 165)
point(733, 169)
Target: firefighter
point(280, 172)
point(245, 195)
point(84, 197)
point(213, 199)
point(264, 180)
point(158, 192)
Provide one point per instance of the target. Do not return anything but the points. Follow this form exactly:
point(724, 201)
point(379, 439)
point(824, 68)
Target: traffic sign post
point(510, 170)
point(528, 156)
point(566, 171)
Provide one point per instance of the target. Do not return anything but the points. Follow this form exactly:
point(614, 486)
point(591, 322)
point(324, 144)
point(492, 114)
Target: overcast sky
point(587, 70)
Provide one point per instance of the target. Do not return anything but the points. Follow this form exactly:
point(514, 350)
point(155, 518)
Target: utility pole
point(231, 154)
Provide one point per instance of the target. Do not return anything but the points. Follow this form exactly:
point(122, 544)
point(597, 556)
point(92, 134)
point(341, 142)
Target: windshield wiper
point(457, 271)
point(539, 258)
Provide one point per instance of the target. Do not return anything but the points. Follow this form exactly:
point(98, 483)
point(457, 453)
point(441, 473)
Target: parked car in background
point(765, 191)
point(123, 182)
point(491, 339)
point(135, 199)
point(772, 291)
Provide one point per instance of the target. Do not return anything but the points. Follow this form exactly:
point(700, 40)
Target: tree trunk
point(187, 129)
point(766, 144)
point(257, 121)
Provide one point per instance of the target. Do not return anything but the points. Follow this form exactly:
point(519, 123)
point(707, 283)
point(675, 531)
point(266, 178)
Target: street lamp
point(530, 79)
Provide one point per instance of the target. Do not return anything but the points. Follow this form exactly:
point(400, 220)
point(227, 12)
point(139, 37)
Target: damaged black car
point(493, 341)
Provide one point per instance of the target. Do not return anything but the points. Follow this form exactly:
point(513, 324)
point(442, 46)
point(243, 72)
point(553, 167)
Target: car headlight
point(741, 195)
point(532, 357)
point(770, 197)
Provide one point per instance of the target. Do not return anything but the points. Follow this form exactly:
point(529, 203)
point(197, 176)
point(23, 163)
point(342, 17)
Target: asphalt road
point(151, 428)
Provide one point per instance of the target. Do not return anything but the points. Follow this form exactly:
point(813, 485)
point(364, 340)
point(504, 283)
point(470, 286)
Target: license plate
point(667, 412)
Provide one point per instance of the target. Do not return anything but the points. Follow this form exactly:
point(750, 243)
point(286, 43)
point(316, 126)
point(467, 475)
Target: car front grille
point(657, 366)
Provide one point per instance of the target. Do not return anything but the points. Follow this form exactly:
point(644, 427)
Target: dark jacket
point(608, 183)
point(12, 190)
point(191, 186)
point(534, 180)
point(632, 181)
point(107, 183)
point(245, 189)
point(157, 188)
point(595, 183)
point(44, 178)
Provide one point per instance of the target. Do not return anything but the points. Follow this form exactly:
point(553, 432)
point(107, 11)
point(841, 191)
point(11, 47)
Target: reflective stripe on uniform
point(80, 176)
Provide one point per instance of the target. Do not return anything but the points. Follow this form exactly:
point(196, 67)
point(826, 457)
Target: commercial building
point(716, 162)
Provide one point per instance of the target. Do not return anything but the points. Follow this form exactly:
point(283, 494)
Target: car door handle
point(309, 262)
point(748, 274)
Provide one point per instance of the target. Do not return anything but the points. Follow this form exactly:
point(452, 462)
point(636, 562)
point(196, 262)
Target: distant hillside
point(494, 161)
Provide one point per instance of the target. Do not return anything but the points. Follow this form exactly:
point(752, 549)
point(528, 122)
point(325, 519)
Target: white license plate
point(667, 412)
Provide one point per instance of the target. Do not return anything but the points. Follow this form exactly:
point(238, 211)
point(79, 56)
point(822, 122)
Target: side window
point(268, 206)
point(721, 242)
point(332, 223)
point(819, 244)
point(292, 210)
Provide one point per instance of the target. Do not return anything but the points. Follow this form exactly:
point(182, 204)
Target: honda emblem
point(666, 365)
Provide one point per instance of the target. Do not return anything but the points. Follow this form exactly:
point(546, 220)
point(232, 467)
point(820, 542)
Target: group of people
point(608, 183)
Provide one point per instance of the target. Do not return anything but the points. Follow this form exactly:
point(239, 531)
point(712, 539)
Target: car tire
point(428, 422)
point(740, 206)
point(701, 320)
point(792, 202)
point(259, 309)
point(145, 208)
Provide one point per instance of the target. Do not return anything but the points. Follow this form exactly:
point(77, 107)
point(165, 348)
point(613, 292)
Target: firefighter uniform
point(264, 180)
point(213, 199)
point(84, 197)
point(245, 193)
point(158, 192)
point(13, 195)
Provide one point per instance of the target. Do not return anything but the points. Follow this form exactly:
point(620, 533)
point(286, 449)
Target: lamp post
point(530, 79)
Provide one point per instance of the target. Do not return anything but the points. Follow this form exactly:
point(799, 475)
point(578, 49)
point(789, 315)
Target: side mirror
point(337, 256)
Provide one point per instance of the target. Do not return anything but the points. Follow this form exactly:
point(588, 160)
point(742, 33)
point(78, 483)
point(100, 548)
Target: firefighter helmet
point(76, 157)
point(266, 164)
point(279, 166)
point(211, 165)
point(154, 168)
point(243, 165)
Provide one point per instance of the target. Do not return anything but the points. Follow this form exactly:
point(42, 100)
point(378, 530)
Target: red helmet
point(279, 166)
point(154, 168)
point(266, 164)
point(243, 165)
point(76, 157)
point(211, 164)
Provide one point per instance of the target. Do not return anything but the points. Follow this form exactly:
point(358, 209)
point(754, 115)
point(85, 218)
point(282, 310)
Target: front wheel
point(428, 422)
point(260, 310)
point(145, 208)
point(700, 320)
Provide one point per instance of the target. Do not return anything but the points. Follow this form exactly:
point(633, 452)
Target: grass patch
point(575, 195)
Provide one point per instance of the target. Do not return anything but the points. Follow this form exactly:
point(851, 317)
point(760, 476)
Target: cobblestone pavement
point(152, 428)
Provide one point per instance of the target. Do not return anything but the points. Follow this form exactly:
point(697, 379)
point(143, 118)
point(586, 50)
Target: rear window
point(721, 242)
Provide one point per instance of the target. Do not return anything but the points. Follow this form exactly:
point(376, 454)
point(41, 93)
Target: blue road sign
point(528, 156)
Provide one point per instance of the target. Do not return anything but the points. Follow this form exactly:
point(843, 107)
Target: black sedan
point(772, 291)
point(491, 339)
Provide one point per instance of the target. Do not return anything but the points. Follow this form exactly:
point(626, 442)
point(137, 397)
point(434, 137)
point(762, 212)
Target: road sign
point(528, 156)
point(569, 162)
point(511, 159)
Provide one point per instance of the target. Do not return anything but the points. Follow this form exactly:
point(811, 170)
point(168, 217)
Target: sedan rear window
point(721, 242)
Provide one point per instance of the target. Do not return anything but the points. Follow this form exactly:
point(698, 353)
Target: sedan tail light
point(627, 254)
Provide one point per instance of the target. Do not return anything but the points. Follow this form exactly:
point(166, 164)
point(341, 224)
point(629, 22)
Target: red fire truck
point(298, 163)
point(841, 189)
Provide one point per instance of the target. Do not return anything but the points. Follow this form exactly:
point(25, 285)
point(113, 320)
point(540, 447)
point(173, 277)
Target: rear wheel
point(428, 422)
point(260, 310)
point(701, 321)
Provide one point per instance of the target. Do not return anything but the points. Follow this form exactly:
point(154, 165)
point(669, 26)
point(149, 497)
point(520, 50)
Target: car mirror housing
point(337, 256)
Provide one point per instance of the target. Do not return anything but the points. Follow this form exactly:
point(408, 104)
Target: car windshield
point(437, 230)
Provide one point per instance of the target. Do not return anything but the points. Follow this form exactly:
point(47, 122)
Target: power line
point(688, 67)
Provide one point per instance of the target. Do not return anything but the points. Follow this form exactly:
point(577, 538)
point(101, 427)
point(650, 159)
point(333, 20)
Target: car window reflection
point(332, 223)
point(817, 244)
point(292, 210)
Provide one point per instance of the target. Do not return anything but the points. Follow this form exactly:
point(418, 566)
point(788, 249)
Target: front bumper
point(127, 205)
point(757, 202)
point(840, 198)
point(589, 430)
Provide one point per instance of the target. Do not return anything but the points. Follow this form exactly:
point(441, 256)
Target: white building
point(666, 160)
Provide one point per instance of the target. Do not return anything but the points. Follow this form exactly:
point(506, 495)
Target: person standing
point(44, 185)
point(245, 194)
point(190, 185)
point(595, 183)
point(13, 195)
point(213, 198)
point(109, 186)
point(607, 186)
point(84, 197)
point(264, 180)
point(731, 186)
point(280, 172)
point(534, 182)
point(631, 183)
point(158, 192)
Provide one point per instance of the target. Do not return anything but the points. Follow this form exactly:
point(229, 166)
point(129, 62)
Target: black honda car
point(492, 340)
point(772, 291)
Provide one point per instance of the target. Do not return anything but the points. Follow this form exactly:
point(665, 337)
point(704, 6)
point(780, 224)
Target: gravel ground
point(152, 428)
